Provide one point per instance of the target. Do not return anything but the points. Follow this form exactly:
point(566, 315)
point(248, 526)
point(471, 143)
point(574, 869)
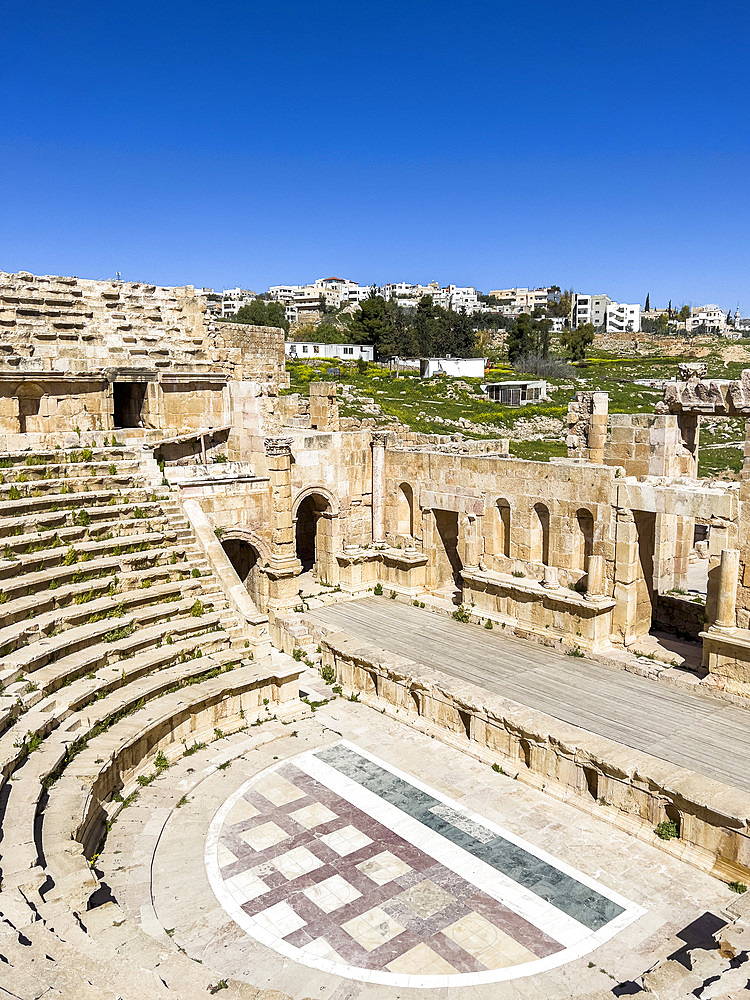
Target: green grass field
point(449, 406)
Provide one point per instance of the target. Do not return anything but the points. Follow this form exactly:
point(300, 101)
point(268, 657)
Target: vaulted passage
point(246, 562)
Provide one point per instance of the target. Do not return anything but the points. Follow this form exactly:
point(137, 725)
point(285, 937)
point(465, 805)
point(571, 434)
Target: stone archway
point(313, 535)
point(247, 563)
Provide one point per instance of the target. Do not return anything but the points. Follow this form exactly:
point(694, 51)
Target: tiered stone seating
point(116, 643)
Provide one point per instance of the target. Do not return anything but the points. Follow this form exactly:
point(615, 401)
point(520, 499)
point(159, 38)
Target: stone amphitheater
point(291, 708)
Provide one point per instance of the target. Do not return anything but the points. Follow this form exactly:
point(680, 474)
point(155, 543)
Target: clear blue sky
point(602, 146)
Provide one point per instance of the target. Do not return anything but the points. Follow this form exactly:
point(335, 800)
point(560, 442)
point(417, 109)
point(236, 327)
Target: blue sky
point(597, 146)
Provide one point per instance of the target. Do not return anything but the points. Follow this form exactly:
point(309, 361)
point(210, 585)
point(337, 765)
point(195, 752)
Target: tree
point(276, 315)
point(462, 336)
point(648, 302)
point(684, 313)
point(528, 337)
point(576, 342)
point(371, 321)
point(561, 308)
point(520, 338)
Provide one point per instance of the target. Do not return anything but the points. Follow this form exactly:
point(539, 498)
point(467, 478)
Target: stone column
point(595, 577)
point(472, 540)
point(378, 443)
point(283, 562)
point(726, 596)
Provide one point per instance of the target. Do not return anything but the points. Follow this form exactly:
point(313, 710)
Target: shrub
point(488, 623)
point(378, 589)
point(195, 572)
point(575, 651)
point(82, 518)
point(198, 609)
point(667, 830)
point(462, 614)
point(218, 532)
point(737, 887)
point(328, 674)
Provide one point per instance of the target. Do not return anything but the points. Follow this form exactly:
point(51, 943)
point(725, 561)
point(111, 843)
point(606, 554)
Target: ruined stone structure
point(167, 510)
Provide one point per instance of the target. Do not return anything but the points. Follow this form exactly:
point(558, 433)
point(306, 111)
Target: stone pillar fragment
point(726, 595)
point(595, 577)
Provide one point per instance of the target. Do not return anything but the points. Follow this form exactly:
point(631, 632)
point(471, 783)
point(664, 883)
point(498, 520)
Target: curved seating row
point(116, 643)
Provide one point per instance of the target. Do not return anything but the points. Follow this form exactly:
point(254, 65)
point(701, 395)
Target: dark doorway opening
point(129, 398)
point(446, 522)
point(645, 525)
point(242, 556)
point(309, 513)
point(28, 407)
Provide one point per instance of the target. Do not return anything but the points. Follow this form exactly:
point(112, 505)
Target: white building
point(710, 316)
point(516, 393)
point(623, 318)
point(232, 299)
point(305, 350)
point(452, 367)
point(338, 292)
point(614, 317)
point(454, 297)
point(514, 301)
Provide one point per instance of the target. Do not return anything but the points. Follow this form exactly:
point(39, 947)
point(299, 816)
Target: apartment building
point(454, 297)
point(711, 317)
point(232, 299)
point(604, 313)
point(514, 301)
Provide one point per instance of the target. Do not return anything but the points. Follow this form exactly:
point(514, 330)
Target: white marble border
point(579, 940)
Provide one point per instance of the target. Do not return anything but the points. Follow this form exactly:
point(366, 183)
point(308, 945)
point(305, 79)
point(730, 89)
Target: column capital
point(380, 439)
point(278, 446)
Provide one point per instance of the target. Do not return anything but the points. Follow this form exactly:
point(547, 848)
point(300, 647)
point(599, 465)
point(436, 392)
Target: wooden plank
point(683, 727)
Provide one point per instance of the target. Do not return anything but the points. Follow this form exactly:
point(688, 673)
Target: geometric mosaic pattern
point(343, 863)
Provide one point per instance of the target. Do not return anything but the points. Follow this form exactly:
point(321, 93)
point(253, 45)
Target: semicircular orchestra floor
point(346, 864)
point(349, 848)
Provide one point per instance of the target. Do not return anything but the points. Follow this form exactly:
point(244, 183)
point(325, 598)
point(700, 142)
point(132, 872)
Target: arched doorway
point(311, 534)
point(245, 559)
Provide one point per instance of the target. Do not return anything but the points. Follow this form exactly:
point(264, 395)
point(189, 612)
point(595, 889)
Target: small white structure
point(452, 367)
point(346, 352)
point(516, 393)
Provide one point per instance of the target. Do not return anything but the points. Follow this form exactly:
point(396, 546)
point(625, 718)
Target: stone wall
point(684, 618)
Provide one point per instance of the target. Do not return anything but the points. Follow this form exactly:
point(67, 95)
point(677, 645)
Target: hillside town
point(309, 303)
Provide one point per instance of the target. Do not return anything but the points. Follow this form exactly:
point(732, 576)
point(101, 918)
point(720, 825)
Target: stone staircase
point(118, 648)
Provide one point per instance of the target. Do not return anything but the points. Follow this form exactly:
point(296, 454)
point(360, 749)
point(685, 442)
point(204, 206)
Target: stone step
point(10, 506)
point(142, 544)
point(49, 674)
point(88, 694)
point(53, 612)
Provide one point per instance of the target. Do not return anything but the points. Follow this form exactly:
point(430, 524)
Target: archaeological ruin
point(292, 705)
